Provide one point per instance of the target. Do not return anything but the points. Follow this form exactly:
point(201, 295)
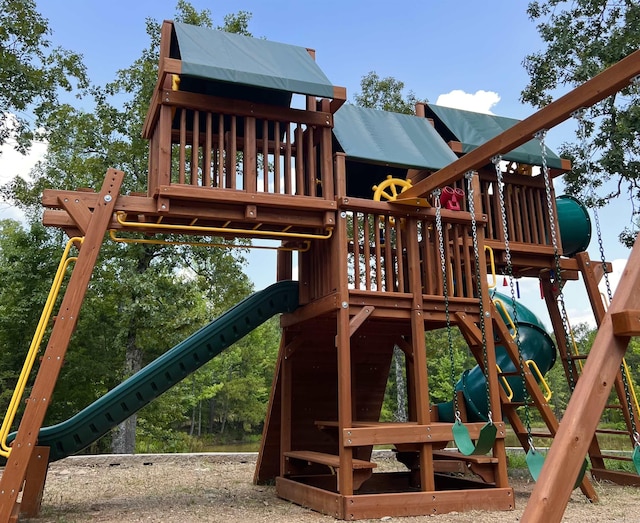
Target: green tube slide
point(78, 432)
point(535, 344)
point(574, 224)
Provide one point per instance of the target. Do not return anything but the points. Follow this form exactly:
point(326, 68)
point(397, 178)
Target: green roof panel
point(386, 138)
point(227, 57)
point(473, 129)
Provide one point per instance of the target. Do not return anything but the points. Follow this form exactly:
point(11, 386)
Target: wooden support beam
point(608, 82)
point(357, 321)
point(551, 494)
point(25, 443)
point(34, 482)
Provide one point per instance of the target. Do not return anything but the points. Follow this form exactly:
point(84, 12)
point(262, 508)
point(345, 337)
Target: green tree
point(143, 298)
point(385, 94)
point(32, 252)
point(32, 72)
point(582, 38)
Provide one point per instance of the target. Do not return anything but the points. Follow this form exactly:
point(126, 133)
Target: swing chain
point(582, 133)
point(445, 292)
point(476, 253)
point(541, 135)
point(509, 271)
point(532, 447)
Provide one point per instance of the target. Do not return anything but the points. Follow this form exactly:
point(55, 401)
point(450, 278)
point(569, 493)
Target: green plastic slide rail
point(79, 431)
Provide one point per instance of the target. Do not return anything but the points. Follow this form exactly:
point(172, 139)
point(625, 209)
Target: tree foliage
point(32, 72)
point(143, 298)
point(385, 94)
point(583, 38)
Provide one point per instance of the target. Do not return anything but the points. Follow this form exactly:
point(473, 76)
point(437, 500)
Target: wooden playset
point(395, 225)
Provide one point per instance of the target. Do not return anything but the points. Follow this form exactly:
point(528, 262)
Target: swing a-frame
point(234, 159)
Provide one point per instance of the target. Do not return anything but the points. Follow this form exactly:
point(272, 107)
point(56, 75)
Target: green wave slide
point(78, 432)
point(535, 344)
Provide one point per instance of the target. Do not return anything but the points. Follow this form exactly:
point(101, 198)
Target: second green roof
point(393, 139)
point(473, 129)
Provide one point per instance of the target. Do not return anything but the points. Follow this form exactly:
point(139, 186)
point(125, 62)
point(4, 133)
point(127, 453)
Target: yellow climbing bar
point(205, 230)
point(65, 261)
point(492, 265)
point(632, 389)
point(512, 326)
point(547, 390)
point(304, 247)
point(507, 387)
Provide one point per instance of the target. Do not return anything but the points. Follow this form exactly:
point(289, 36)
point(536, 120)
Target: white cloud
point(479, 102)
point(13, 164)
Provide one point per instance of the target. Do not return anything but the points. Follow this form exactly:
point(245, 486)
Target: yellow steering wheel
point(395, 185)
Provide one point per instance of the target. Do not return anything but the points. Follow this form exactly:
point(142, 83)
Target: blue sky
point(471, 51)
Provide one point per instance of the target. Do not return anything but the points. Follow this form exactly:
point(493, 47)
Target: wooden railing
point(526, 209)
point(378, 252)
point(238, 145)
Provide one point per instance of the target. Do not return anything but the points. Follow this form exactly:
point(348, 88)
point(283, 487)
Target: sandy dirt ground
point(219, 488)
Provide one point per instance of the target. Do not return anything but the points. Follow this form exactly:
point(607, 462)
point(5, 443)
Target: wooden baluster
point(367, 250)
point(249, 156)
point(378, 254)
point(458, 288)
point(182, 159)
point(299, 160)
point(356, 251)
point(531, 206)
point(389, 272)
point(543, 217)
point(195, 148)
point(276, 158)
point(220, 181)
point(310, 164)
point(468, 262)
point(288, 189)
point(401, 284)
point(525, 214)
point(206, 163)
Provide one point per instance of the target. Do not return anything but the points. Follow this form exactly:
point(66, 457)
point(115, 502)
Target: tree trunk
point(124, 437)
point(401, 387)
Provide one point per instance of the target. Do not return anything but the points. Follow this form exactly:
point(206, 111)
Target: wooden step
point(616, 476)
point(483, 466)
point(613, 431)
point(546, 435)
point(616, 457)
point(362, 470)
point(454, 454)
point(330, 460)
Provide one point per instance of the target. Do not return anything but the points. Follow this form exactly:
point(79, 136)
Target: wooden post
point(34, 482)
point(53, 358)
point(499, 448)
point(562, 465)
point(419, 379)
point(339, 263)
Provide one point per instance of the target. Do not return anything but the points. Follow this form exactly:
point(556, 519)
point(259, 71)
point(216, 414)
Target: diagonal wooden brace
point(25, 442)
